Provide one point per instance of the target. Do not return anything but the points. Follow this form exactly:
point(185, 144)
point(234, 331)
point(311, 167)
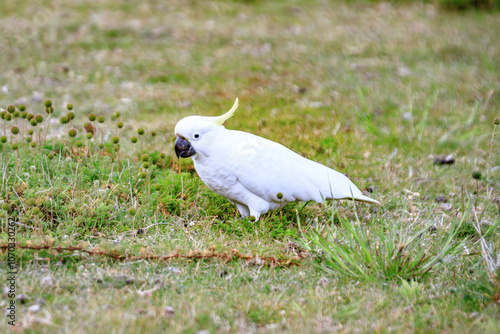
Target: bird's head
point(194, 132)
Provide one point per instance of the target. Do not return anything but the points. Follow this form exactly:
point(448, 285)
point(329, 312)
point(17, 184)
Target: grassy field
point(384, 93)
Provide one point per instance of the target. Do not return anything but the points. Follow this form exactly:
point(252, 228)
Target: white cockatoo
point(252, 172)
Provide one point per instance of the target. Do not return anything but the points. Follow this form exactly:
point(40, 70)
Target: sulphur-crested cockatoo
point(251, 171)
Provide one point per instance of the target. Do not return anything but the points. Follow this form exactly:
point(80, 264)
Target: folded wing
point(266, 168)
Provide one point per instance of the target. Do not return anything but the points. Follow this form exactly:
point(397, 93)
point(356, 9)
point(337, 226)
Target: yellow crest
point(221, 119)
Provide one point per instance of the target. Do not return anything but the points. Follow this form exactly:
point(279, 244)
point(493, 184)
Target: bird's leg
point(243, 209)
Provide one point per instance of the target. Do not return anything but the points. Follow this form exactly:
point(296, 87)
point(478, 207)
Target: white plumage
point(250, 170)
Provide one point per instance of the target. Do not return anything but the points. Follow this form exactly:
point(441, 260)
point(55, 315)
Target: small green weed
point(385, 253)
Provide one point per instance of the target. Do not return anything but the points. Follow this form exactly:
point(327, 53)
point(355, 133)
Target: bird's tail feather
point(363, 198)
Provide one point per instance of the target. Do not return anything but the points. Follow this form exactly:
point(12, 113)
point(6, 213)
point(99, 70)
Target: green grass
point(386, 253)
point(374, 90)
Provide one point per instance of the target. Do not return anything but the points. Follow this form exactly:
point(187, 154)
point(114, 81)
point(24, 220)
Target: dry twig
point(193, 254)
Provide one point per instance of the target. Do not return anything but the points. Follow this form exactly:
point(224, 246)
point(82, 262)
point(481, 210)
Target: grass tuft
point(384, 253)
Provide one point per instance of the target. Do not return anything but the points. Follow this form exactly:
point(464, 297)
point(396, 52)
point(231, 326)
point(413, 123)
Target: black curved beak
point(183, 148)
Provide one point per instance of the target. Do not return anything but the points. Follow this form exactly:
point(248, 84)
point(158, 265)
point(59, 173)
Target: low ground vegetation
point(114, 233)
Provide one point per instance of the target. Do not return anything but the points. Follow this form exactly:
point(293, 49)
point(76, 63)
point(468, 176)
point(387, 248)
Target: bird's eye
point(196, 136)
